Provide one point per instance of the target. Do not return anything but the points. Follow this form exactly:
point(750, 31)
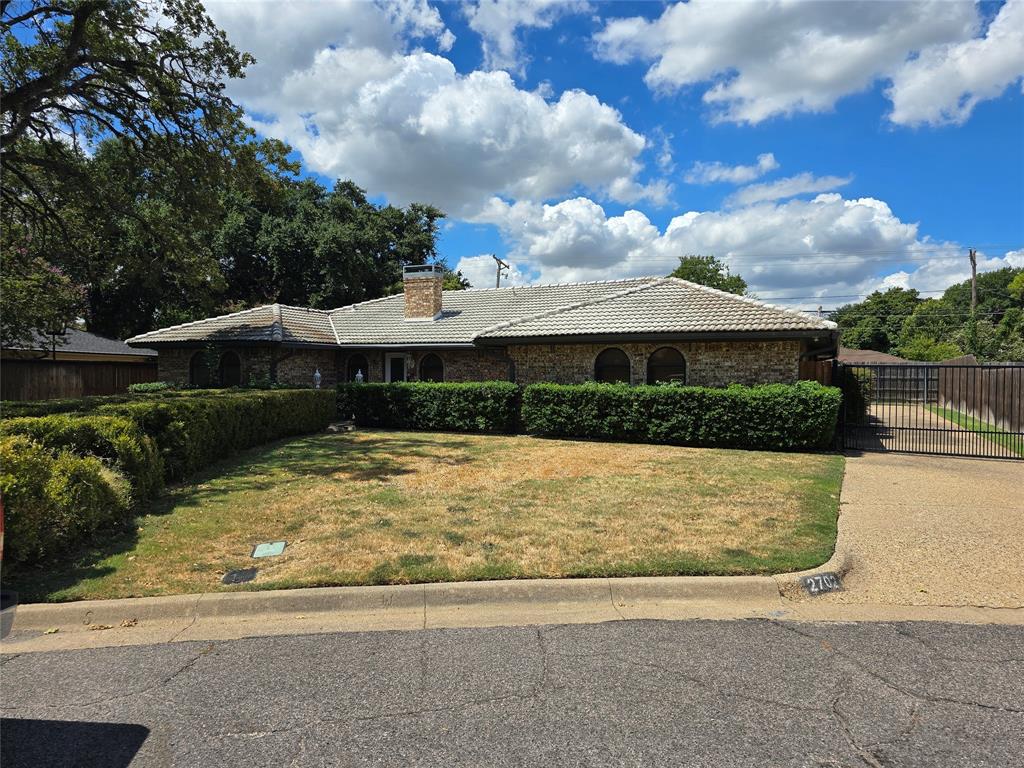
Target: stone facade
point(712, 364)
point(709, 364)
point(295, 367)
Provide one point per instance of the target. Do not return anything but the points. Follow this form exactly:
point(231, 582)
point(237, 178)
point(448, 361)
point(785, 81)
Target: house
point(73, 364)
point(639, 330)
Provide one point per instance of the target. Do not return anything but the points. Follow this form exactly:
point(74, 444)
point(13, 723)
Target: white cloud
point(762, 59)
point(828, 246)
point(408, 126)
point(791, 186)
point(710, 173)
point(481, 271)
point(946, 82)
point(498, 21)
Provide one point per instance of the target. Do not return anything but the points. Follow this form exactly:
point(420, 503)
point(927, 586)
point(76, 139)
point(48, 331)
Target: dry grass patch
point(392, 507)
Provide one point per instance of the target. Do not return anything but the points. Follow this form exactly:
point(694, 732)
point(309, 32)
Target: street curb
point(791, 585)
point(471, 595)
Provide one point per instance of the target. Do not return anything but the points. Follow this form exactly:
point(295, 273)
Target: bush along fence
point(63, 476)
point(771, 417)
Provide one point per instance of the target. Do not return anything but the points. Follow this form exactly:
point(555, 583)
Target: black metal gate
point(948, 410)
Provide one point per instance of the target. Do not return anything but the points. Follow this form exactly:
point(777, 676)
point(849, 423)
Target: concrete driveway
point(929, 530)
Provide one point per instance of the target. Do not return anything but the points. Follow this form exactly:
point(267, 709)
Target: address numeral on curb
point(820, 583)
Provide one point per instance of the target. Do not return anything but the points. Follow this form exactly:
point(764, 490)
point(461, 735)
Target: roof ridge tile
point(752, 300)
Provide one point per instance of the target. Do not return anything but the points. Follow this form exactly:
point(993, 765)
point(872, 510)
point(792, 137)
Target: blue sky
point(602, 140)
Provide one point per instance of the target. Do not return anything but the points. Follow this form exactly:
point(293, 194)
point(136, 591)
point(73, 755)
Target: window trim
point(629, 365)
point(686, 364)
point(388, 357)
point(419, 367)
point(349, 376)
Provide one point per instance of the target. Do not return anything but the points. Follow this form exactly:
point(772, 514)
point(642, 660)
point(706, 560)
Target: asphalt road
point(629, 693)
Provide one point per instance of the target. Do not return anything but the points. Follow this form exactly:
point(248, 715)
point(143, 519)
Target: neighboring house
point(73, 364)
point(640, 330)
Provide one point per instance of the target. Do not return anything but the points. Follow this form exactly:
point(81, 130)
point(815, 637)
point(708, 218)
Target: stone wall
point(294, 366)
point(713, 364)
point(459, 364)
point(710, 364)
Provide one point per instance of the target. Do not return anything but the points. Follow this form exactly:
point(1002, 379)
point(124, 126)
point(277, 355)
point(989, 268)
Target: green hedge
point(770, 417)
point(858, 387)
point(65, 476)
point(192, 432)
point(491, 406)
point(53, 501)
point(114, 438)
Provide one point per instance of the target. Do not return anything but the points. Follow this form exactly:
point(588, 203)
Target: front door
point(395, 367)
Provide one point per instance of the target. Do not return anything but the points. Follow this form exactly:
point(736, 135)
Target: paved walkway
point(928, 530)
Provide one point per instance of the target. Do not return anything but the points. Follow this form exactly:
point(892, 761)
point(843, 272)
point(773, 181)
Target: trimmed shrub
point(150, 386)
point(858, 387)
point(490, 406)
point(117, 440)
point(191, 432)
point(55, 501)
point(768, 417)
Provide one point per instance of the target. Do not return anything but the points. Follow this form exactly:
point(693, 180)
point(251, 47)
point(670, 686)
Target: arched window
point(612, 365)
point(666, 364)
point(431, 368)
point(357, 363)
point(199, 370)
point(229, 372)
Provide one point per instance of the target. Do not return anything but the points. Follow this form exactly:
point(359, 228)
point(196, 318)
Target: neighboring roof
point(85, 343)
point(866, 356)
point(643, 305)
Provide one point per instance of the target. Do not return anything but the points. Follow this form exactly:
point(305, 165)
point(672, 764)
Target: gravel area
point(926, 530)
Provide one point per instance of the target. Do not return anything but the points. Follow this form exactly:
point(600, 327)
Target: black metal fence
point(949, 410)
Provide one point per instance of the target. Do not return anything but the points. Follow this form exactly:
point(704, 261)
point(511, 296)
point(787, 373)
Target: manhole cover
point(240, 576)
point(269, 549)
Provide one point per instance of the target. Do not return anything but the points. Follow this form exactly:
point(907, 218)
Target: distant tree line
point(900, 322)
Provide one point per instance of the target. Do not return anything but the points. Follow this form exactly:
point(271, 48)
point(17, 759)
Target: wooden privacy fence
point(49, 379)
point(816, 370)
point(991, 393)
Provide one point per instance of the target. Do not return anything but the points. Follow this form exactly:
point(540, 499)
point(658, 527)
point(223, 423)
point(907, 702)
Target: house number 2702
point(821, 583)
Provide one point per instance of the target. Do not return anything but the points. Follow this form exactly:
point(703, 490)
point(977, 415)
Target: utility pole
point(501, 266)
point(973, 254)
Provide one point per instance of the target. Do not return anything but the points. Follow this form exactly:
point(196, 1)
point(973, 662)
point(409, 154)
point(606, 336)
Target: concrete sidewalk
point(932, 530)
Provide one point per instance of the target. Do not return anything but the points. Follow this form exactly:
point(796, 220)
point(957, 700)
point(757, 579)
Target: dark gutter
point(494, 341)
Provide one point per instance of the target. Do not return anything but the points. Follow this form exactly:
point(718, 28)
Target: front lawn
point(377, 507)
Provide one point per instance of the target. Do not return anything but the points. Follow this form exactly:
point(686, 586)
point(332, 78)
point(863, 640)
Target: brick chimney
point(423, 291)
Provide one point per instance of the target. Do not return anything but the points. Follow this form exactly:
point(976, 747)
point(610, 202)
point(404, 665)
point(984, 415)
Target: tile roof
point(85, 343)
point(632, 306)
point(269, 323)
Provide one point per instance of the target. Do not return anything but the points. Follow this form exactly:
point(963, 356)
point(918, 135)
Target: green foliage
point(117, 440)
point(308, 246)
point(77, 72)
point(192, 432)
point(150, 386)
point(876, 322)
point(55, 501)
point(768, 417)
point(491, 406)
point(709, 271)
point(455, 281)
point(898, 321)
point(858, 388)
point(36, 299)
point(926, 348)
